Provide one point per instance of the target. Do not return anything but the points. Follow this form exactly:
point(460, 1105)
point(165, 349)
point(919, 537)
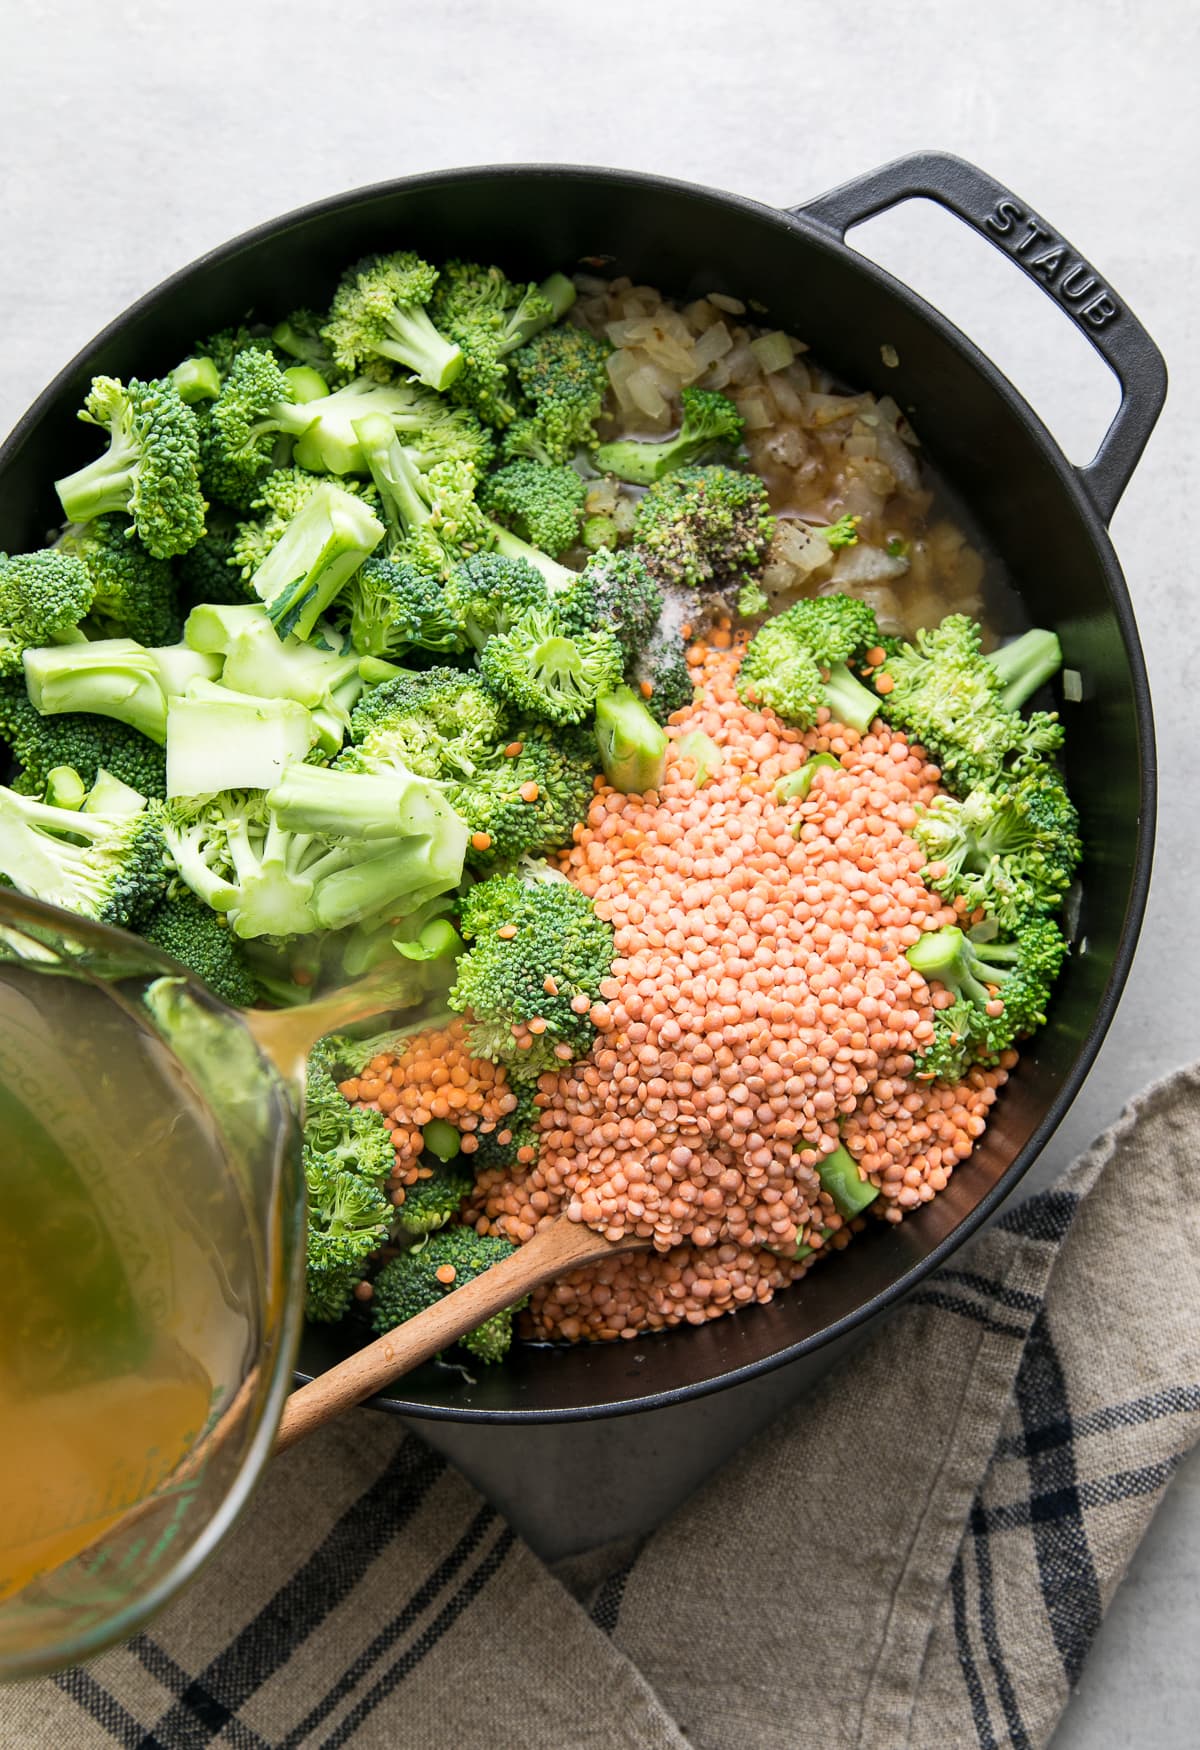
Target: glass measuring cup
point(151, 1270)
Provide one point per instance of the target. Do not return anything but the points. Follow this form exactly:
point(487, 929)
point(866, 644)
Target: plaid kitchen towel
point(918, 1554)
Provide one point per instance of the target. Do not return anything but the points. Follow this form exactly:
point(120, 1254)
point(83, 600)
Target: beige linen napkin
point(917, 1555)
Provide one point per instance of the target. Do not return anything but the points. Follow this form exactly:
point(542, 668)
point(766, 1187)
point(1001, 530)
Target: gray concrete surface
point(132, 137)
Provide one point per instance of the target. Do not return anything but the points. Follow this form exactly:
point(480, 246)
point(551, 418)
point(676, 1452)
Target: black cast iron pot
point(1046, 519)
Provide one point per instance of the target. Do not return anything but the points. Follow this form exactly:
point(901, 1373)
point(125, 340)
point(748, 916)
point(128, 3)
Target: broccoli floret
point(489, 593)
point(224, 346)
point(556, 577)
point(942, 692)
point(502, 979)
point(280, 497)
point(633, 747)
point(407, 1285)
point(540, 671)
point(378, 314)
point(542, 502)
point(110, 677)
point(843, 533)
point(259, 403)
point(134, 593)
point(432, 518)
point(87, 743)
point(201, 940)
point(348, 1220)
point(1012, 849)
point(436, 1197)
point(316, 556)
point(440, 723)
point(299, 336)
point(489, 317)
point(394, 608)
point(115, 876)
point(599, 531)
point(797, 662)
point(711, 425)
point(43, 597)
point(614, 593)
point(563, 376)
point(210, 571)
point(354, 1138)
point(752, 601)
point(704, 527)
point(662, 675)
point(436, 430)
point(515, 1140)
point(1012, 975)
point(527, 802)
point(151, 469)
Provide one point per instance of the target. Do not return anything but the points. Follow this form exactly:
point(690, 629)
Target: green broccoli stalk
point(197, 379)
point(795, 786)
point(1009, 850)
point(704, 754)
point(563, 374)
point(438, 431)
point(316, 556)
point(324, 677)
point(944, 693)
point(614, 593)
point(633, 747)
point(407, 1285)
point(840, 1176)
point(299, 336)
point(218, 739)
point(111, 677)
point(87, 743)
point(1001, 986)
point(556, 577)
point(1024, 664)
point(43, 597)
point(151, 469)
point(394, 609)
point(133, 592)
point(378, 313)
point(65, 788)
point(103, 866)
point(798, 662)
point(706, 528)
point(538, 670)
point(202, 941)
point(542, 504)
point(662, 675)
point(431, 514)
point(502, 980)
point(711, 425)
point(348, 1220)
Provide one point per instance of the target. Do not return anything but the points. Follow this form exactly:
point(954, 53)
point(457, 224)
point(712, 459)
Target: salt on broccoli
point(134, 594)
point(430, 511)
point(551, 937)
point(633, 746)
point(541, 502)
point(150, 471)
point(378, 316)
point(1011, 848)
point(202, 941)
point(798, 662)
point(43, 597)
point(348, 1220)
point(539, 671)
point(662, 676)
point(115, 875)
point(563, 374)
point(394, 609)
point(964, 709)
point(421, 1276)
point(710, 425)
point(489, 317)
point(87, 743)
point(707, 528)
point(614, 593)
point(1000, 986)
point(489, 592)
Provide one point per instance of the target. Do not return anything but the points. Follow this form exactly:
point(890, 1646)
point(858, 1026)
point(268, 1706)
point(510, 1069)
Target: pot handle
point(1052, 263)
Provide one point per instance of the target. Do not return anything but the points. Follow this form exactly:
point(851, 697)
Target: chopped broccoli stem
point(441, 1139)
point(218, 739)
point(840, 1177)
point(1025, 664)
point(704, 754)
point(197, 379)
point(711, 424)
point(795, 786)
point(65, 788)
point(111, 677)
point(317, 555)
point(633, 747)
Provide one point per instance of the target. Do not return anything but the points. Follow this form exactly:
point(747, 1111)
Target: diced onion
point(712, 345)
point(774, 352)
point(1072, 686)
point(732, 306)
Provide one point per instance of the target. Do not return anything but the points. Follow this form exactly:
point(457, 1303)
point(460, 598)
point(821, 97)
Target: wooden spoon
point(560, 1246)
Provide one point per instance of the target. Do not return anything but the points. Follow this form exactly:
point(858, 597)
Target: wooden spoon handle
point(563, 1245)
